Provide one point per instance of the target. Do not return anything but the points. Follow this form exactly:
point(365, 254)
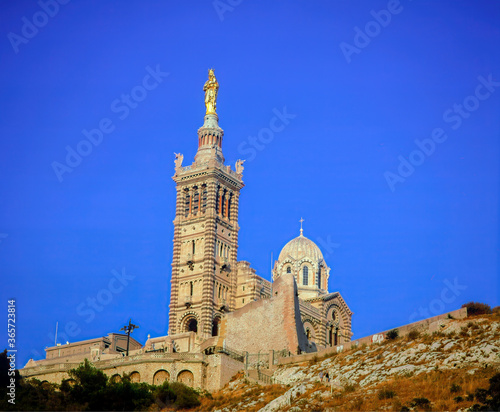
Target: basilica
point(207, 278)
point(217, 301)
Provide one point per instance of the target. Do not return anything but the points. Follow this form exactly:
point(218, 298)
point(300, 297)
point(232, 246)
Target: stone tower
point(203, 282)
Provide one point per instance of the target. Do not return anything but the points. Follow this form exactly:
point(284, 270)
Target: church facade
point(217, 301)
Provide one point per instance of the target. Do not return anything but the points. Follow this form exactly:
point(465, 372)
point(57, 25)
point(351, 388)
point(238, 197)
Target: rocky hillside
point(445, 370)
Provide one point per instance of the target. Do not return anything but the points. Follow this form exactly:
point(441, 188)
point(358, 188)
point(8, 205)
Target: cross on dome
point(301, 230)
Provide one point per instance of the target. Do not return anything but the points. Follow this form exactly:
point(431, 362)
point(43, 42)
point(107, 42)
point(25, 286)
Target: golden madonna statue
point(211, 88)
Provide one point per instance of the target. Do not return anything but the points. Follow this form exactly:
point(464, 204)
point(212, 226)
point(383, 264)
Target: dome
point(299, 248)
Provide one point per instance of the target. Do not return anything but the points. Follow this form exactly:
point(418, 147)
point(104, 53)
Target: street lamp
point(129, 329)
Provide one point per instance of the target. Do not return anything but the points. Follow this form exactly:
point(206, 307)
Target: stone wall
point(266, 324)
point(249, 286)
point(221, 368)
point(430, 324)
point(205, 372)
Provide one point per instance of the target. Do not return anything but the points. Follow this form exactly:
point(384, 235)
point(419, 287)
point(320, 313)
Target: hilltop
point(445, 370)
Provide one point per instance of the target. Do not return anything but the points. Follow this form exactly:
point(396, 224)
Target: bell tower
point(203, 283)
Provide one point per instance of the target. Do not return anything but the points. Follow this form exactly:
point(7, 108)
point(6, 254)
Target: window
point(215, 327)
point(217, 201)
point(224, 204)
point(196, 201)
point(305, 276)
point(187, 203)
point(243, 288)
point(319, 279)
point(192, 325)
point(289, 269)
point(243, 300)
point(204, 198)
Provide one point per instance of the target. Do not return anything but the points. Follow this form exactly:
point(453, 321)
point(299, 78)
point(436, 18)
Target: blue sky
point(389, 151)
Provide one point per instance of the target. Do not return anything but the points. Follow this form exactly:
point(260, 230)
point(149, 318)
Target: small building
point(93, 349)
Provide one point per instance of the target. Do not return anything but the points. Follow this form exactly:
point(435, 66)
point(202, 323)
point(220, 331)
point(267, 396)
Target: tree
point(89, 387)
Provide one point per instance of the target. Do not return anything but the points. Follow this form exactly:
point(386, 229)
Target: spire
point(301, 230)
point(210, 134)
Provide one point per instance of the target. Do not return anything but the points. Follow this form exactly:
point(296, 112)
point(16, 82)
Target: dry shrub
point(413, 334)
point(392, 334)
point(386, 393)
point(350, 388)
point(477, 308)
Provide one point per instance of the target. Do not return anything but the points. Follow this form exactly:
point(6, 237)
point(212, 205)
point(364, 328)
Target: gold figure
point(211, 88)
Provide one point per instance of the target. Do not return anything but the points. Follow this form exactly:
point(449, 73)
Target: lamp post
point(129, 329)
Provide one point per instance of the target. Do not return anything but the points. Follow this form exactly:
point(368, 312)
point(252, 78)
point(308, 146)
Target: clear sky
point(386, 143)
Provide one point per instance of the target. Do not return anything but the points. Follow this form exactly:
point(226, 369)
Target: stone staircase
point(261, 376)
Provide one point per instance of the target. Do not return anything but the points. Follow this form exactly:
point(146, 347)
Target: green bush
point(128, 396)
point(186, 397)
point(454, 388)
point(458, 399)
point(165, 394)
point(392, 334)
point(176, 394)
point(476, 308)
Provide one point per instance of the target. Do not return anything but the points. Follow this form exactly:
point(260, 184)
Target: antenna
point(55, 339)
point(129, 329)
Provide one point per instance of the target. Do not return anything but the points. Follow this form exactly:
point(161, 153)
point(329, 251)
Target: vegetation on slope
point(455, 368)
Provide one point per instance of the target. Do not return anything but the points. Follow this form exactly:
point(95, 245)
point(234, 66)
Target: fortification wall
point(430, 324)
point(267, 323)
point(195, 370)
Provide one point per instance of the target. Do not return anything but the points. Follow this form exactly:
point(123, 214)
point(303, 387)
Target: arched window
point(215, 326)
point(305, 275)
point(289, 269)
point(192, 325)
